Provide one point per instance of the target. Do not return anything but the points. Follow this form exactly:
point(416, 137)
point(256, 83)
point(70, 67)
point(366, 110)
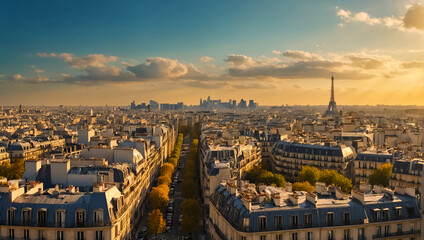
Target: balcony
point(389, 235)
point(56, 225)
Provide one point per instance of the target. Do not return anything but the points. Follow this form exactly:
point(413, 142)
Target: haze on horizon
point(275, 52)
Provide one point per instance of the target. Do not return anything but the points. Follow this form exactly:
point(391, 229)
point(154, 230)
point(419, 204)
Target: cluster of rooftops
point(252, 208)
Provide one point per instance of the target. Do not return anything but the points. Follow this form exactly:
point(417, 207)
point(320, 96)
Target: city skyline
point(276, 52)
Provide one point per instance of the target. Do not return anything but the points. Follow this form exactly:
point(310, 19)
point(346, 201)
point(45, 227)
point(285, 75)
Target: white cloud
point(18, 77)
point(276, 52)
point(206, 59)
point(39, 70)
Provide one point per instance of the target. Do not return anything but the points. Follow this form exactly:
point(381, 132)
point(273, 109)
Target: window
point(360, 234)
point(399, 228)
point(99, 235)
point(262, 223)
point(386, 230)
point(330, 219)
point(279, 237)
point(386, 214)
point(398, 211)
point(346, 234)
point(411, 227)
point(346, 218)
point(98, 216)
point(26, 234)
point(309, 236)
point(41, 217)
point(263, 237)
point(294, 236)
point(11, 216)
point(294, 222)
point(242, 238)
point(378, 232)
point(60, 218)
point(26, 217)
point(80, 235)
point(59, 235)
point(377, 214)
point(330, 235)
point(308, 220)
point(80, 218)
point(11, 234)
point(246, 223)
point(278, 220)
point(41, 235)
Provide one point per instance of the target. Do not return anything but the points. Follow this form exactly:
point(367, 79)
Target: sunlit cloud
point(413, 19)
point(206, 59)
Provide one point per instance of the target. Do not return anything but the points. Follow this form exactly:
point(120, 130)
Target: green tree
point(381, 175)
point(309, 174)
point(191, 211)
point(155, 222)
point(303, 186)
point(332, 177)
point(158, 198)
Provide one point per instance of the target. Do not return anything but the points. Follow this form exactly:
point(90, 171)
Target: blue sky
point(181, 32)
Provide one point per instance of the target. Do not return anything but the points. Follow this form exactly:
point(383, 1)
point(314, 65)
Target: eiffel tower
point(332, 107)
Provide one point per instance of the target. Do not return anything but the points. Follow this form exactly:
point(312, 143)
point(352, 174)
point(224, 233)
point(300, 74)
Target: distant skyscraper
point(332, 107)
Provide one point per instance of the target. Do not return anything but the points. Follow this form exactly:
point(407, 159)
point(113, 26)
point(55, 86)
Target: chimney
point(40, 191)
point(277, 200)
point(312, 198)
point(365, 187)
point(294, 198)
point(358, 195)
point(247, 202)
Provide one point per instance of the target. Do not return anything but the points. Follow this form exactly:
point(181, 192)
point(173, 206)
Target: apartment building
point(247, 212)
point(288, 158)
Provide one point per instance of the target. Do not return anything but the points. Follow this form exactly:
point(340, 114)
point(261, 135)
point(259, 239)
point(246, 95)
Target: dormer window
point(330, 219)
point(80, 218)
point(98, 216)
point(11, 215)
point(42, 217)
point(398, 212)
point(385, 214)
point(26, 216)
point(60, 218)
point(377, 214)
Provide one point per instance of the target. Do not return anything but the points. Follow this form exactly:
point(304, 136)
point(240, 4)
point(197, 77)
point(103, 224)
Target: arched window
point(60, 218)
point(98, 216)
point(11, 216)
point(80, 218)
point(26, 216)
point(41, 217)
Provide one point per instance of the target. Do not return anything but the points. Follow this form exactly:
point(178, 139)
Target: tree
point(191, 211)
point(303, 186)
point(332, 177)
point(381, 175)
point(164, 180)
point(309, 174)
point(158, 198)
point(13, 170)
point(259, 175)
point(166, 170)
point(279, 180)
point(155, 222)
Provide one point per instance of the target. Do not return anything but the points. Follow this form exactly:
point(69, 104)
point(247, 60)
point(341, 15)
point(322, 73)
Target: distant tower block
point(332, 107)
